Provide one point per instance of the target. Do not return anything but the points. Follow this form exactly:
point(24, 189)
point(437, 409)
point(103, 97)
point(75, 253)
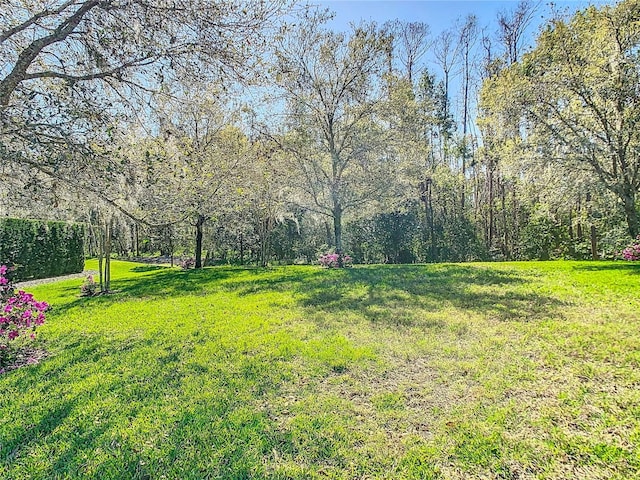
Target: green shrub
point(40, 249)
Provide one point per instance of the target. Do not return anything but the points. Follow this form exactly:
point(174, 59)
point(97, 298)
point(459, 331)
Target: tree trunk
point(171, 245)
point(594, 242)
point(464, 177)
point(337, 229)
point(107, 255)
point(328, 233)
point(432, 225)
point(101, 248)
point(465, 115)
point(476, 195)
point(131, 252)
point(241, 250)
point(492, 227)
point(199, 231)
point(505, 228)
point(425, 196)
point(444, 135)
point(265, 229)
point(630, 212)
point(137, 231)
point(515, 228)
point(579, 233)
point(571, 236)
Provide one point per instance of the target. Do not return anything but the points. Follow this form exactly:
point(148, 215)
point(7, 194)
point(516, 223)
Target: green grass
point(509, 371)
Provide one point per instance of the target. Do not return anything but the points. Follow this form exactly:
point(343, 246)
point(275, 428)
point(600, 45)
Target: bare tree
point(468, 38)
point(446, 50)
point(512, 27)
point(411, 41)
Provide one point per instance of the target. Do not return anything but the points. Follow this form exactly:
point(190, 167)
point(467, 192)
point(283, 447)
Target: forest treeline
point(253, 133)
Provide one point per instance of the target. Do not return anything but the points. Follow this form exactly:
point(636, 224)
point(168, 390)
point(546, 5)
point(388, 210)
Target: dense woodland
point(249, 132)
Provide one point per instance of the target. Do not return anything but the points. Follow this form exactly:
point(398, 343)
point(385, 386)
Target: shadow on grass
point(628, 267)
point(394, 294)
point(148, 268)
point(173, 282)
point(161, 283)
point(138, 408)
point(403, 294)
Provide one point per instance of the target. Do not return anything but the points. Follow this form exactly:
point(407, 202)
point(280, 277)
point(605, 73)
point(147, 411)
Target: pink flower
point(25, 297)
point(40, 306)
point(19, 311)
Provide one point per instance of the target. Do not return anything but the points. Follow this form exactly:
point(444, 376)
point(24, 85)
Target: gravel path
point(41, 281)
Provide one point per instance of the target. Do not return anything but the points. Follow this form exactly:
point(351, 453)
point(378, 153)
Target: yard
point(503, 370)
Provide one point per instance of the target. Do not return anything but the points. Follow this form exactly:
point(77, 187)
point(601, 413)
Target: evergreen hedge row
point(41, 249)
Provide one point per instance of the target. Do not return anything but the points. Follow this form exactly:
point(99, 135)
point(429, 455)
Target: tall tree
point(512, 26)
point(468, 38)
point(446, 51)
point(498, 137)
point(266, 182)
point(577, 94)
point(189, 172)
point(330, 83)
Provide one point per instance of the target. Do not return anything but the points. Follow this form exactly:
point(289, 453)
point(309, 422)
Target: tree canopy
point(251, 131)
point(576, 97)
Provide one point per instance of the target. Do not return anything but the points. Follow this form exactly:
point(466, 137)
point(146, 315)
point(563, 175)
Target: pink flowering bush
point(332, 260)
point(632, 252)
point(20, 314)
point(89, 287)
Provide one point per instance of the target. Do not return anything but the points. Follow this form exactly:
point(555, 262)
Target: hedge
point(41, 249)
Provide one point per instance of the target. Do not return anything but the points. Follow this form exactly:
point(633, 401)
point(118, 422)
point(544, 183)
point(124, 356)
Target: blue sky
point(439, 14)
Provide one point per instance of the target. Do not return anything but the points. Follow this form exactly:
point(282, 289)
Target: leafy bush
point(39, 249)
point(612, 242)
point(335, 260)
point(20, 313)
point(543, 237)
point(89, 287)
point(632, 252)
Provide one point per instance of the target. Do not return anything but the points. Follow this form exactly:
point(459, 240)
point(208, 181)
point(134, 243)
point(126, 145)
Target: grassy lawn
point(509, 370)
